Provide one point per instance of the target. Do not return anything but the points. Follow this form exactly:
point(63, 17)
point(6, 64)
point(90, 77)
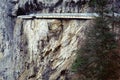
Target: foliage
point(97, 58)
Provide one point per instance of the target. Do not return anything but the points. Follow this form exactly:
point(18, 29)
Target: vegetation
point(97, 59)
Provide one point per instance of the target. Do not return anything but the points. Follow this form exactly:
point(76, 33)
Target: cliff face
point(23, 7)
point(6, 35)
point(39, 49)
point(45, 49)
point(36, 49)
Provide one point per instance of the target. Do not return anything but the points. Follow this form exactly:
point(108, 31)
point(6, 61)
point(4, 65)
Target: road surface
point(64, 16)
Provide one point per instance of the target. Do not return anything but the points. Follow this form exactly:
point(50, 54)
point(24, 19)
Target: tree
point(97, 59)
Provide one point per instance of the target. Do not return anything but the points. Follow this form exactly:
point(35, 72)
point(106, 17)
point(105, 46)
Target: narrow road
point(64, 16)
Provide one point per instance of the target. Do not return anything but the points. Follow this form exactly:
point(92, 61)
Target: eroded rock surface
point(40, 49)
point(6, 35)
point(25, 7)
point(46, 48)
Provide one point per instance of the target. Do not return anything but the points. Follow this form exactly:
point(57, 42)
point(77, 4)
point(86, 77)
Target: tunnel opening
point(20, 11)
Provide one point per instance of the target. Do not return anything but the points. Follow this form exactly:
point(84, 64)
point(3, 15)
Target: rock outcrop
point(40, 49)
point(45, 49)
point(6, 36)
point(25, 7)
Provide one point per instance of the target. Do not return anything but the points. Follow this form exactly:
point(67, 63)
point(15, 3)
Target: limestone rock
point(47, 47)
point(39, 49)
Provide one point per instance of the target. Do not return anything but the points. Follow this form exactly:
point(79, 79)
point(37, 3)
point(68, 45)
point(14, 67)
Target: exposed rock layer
point(48, 6)
point(39, 49)
point(6, 35)
point(23, 7)
point(46, 48)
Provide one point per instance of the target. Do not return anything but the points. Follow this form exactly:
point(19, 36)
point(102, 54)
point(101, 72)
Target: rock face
point(39, 49)
point(23, 7)
point(46, 49)
point(6, 36)
point(35, 48)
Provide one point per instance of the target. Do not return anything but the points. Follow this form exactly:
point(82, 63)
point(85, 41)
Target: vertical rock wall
point(46, 48)
point(23, 7)
point(11, 49)
point(6, 36)
point(40, 49)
